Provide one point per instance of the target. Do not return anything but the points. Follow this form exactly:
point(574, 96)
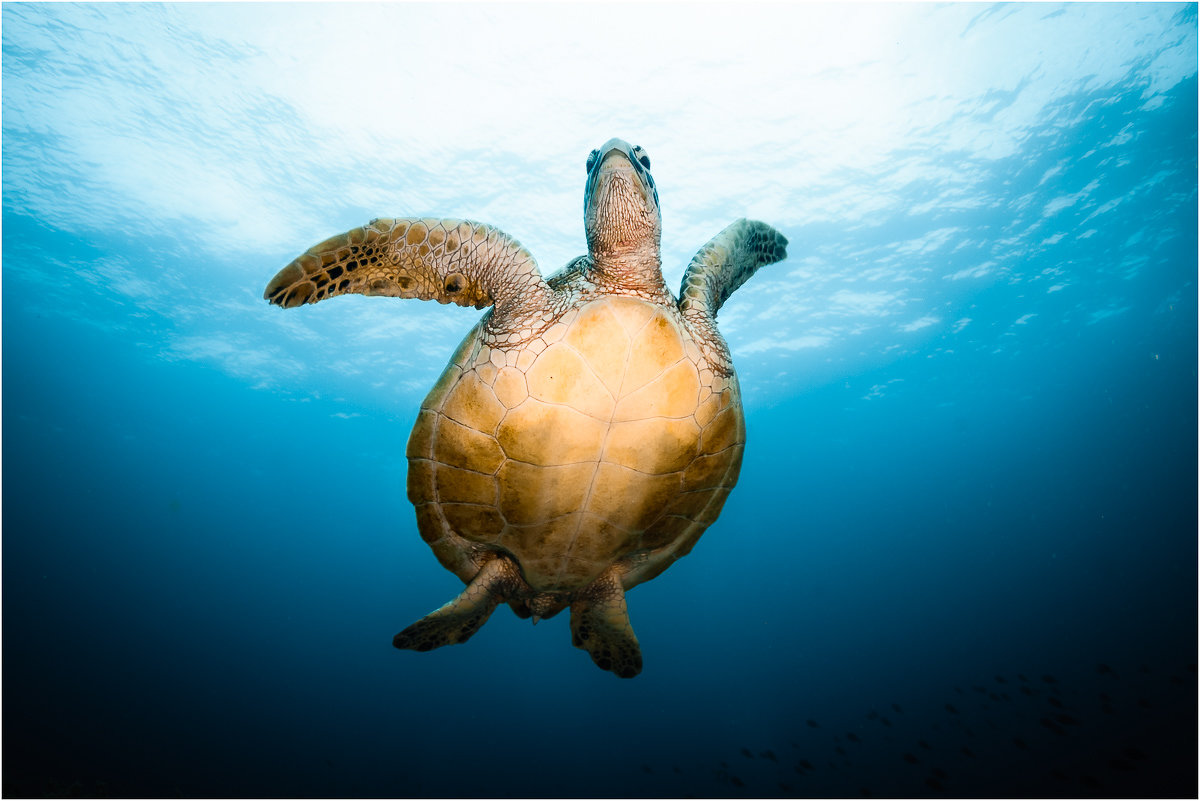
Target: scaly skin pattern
point(447, 260)
point(588, 430)
point(721, 266)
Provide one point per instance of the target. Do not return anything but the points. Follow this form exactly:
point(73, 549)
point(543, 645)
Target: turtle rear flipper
point(600, 626)
point(458, 620)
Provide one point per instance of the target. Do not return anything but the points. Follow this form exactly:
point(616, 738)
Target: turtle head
point(620, 202)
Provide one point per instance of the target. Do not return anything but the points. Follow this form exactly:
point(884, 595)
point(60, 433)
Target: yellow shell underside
point(606, 438)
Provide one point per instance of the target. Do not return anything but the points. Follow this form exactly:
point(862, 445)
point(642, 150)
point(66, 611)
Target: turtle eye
point(591, 162)
point(641, 156)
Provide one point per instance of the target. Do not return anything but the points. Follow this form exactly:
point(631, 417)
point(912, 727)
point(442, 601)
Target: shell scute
point(430, 523)
point(709, 471)
point(547, 434)
point(420, 441)
point(672, 394)
point(532, 494)
point(598, 541)
point(476, 522)
point(560, 375)
point(629, 499)
point(598, 336)
point(510, 387)
point(724, 430)
point(474, 404)
point(652, 446)
point(667, 530)
point(454, 485)
point(656, 346)
point(420, 481)
point(461, 446)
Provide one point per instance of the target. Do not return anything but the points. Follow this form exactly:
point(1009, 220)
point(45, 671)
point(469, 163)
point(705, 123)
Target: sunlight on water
point(251, 132)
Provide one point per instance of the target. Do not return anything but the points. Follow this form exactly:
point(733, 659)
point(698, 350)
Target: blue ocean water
point(962, 556)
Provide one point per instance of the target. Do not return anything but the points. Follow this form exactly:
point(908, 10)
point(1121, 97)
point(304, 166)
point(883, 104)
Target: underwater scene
point(961, 556)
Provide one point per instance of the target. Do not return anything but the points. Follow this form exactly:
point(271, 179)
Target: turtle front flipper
point(600, 625)
point(458, 620)
point(450, 261)
point(725, 263)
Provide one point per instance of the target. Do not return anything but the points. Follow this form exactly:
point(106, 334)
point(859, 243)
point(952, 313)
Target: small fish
point(646, 768)
point(872, 715)
point(1019, 743)
point(1066, 720)
point(885, 722)
point(1021, 676)
point(1144, 704)
point(1054, 702)
point(941, 774)
point(736, 782)
point(769, 754)
point(967, 752)
point(1090, 782)
point(804, 763)
point(925, 745)
point(950, 708)
point(1116, 763)
point(934, 784)
point(1001, 680)
point(1049, 679)
point(1105, 670)
point(812, 724)
point(747, 753)
point(852, 737)
point(676, 769)
point(1054, 727)
point(841, 751)
point(910, 759)
point(897, 709)
point(1135, 753)
point(980, 690)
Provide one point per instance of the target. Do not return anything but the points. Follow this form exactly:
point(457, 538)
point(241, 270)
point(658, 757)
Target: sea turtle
point(589, 427)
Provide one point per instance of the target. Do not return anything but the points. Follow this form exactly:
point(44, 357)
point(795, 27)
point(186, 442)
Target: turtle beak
point(616, 158)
